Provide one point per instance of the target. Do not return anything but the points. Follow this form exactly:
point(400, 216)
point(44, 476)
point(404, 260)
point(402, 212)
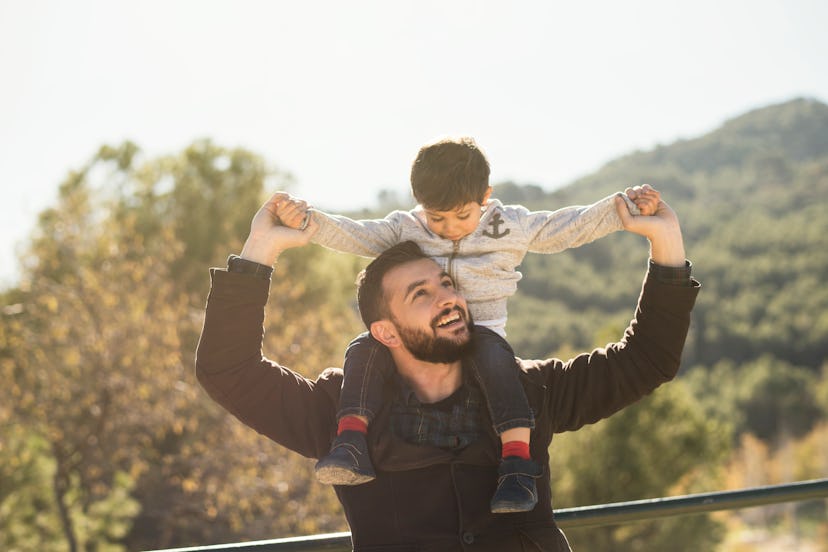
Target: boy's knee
point(365, 347)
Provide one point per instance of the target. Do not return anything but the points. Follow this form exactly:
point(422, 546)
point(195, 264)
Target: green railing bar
point(339, 542)
point(602, 514)
point(637, 510)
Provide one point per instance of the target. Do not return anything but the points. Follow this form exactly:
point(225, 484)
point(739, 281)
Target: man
point(432, 445)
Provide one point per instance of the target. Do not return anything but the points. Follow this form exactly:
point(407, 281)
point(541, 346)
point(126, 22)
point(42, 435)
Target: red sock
point(352, 423)
point(516, 448)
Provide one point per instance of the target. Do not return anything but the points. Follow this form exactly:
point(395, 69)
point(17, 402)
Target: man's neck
point(430, 382)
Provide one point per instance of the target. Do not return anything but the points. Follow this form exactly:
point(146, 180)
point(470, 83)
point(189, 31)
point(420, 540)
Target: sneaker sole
point(512, 508)
point(334, 475)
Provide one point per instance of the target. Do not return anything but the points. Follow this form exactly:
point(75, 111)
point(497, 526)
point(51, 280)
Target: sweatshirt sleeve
point(286, 407)
point(595, 385)
point(573, 226)
point(367, 238)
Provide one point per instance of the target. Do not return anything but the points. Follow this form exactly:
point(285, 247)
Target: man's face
point(430, 315)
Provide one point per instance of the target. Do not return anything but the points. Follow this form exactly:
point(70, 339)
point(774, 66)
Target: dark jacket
point(425, 498)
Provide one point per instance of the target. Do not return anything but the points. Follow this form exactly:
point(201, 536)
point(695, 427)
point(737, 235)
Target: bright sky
point(342, 94)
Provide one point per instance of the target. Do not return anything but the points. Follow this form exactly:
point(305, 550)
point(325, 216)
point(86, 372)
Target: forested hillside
point(108, 443)
point(753, 200)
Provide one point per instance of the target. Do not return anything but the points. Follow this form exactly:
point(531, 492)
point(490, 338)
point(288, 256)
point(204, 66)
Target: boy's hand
point(645, 197)
point(292, 212)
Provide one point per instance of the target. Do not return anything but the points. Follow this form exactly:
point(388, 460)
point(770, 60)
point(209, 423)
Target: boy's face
point(456, 223)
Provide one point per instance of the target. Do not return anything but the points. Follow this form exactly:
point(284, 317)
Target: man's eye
point(419, 293)
point(463, 217)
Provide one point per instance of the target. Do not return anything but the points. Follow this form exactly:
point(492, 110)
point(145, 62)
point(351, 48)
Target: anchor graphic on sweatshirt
point(495, 223)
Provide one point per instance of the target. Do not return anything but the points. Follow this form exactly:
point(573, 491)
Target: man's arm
point(286, 407)
point(594, 385)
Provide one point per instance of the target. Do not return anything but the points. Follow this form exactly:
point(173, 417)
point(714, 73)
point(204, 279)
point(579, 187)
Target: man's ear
point(385, 332)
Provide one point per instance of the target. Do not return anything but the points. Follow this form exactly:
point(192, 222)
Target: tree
point(661, 446)
point(98, 354)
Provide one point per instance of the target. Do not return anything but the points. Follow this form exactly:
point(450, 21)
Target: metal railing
point(602, 514)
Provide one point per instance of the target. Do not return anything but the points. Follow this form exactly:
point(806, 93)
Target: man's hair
point(449, 173)
point(370, 297)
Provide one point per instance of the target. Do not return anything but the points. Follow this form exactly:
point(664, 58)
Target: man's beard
point(429, 347)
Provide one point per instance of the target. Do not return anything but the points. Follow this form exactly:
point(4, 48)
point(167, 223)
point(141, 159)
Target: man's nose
point(447, 297)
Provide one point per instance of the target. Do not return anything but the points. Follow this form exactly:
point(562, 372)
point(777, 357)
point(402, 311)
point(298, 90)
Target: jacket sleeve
point(367, 238)
point(573, 226)
point(595, 385)
point(293, 411)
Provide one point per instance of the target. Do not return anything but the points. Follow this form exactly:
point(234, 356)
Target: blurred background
point(138, 139)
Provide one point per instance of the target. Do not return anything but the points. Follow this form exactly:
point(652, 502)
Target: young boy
point(479, 242)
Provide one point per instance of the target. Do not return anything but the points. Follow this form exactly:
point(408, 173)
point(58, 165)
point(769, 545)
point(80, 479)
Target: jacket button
point(468, 538)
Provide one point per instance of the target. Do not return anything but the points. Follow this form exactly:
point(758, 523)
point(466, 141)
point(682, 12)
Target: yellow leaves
point(178, 426)
point(50, 302)
point(71, 358)
point(189, 485)
point(142, 391)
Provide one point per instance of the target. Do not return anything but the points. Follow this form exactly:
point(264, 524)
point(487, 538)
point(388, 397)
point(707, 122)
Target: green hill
point(753, 200)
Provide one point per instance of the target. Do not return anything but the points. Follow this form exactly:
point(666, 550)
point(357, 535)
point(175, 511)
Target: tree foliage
point(663, 445)
point(115, 437)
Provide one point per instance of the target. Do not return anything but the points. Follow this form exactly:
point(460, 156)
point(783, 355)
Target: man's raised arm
point(595, 385)
point(275, 401)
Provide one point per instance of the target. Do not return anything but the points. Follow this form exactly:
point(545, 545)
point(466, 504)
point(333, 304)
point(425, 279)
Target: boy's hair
point(449, 173)
point(370, 297)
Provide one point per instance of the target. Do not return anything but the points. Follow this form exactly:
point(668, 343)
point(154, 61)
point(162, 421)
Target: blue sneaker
point(516, 489)
point(348, 462)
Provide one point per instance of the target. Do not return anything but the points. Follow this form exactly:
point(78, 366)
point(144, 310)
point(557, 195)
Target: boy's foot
point(516, 489)
point(348, 462)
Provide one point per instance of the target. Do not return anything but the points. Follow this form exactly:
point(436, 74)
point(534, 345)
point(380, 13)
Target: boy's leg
point(495, 369)
point(348, 462)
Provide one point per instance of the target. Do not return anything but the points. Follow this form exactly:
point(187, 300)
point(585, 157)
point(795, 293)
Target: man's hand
point(268, 237)
point(661, 229)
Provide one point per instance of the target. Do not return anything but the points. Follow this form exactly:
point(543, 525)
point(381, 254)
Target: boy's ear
point(385, 332)
point(486, 196)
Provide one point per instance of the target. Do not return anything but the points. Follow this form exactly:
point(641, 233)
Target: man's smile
point(449, 320)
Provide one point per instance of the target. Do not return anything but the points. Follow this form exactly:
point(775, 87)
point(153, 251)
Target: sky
point(342, 94)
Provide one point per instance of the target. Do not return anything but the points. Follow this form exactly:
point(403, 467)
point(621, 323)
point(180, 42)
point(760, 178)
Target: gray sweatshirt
point(482, 264)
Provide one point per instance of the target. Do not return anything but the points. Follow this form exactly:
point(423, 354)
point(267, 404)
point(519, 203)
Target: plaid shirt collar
point(450, 424)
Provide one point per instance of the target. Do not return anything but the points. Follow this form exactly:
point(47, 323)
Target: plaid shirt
point(457, 420)
point(450, 424)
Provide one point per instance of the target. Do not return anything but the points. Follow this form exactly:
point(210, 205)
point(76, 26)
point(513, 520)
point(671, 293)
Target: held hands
point(645, 197)
point(660, 226)
point(293, 212)
point(275, 228)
